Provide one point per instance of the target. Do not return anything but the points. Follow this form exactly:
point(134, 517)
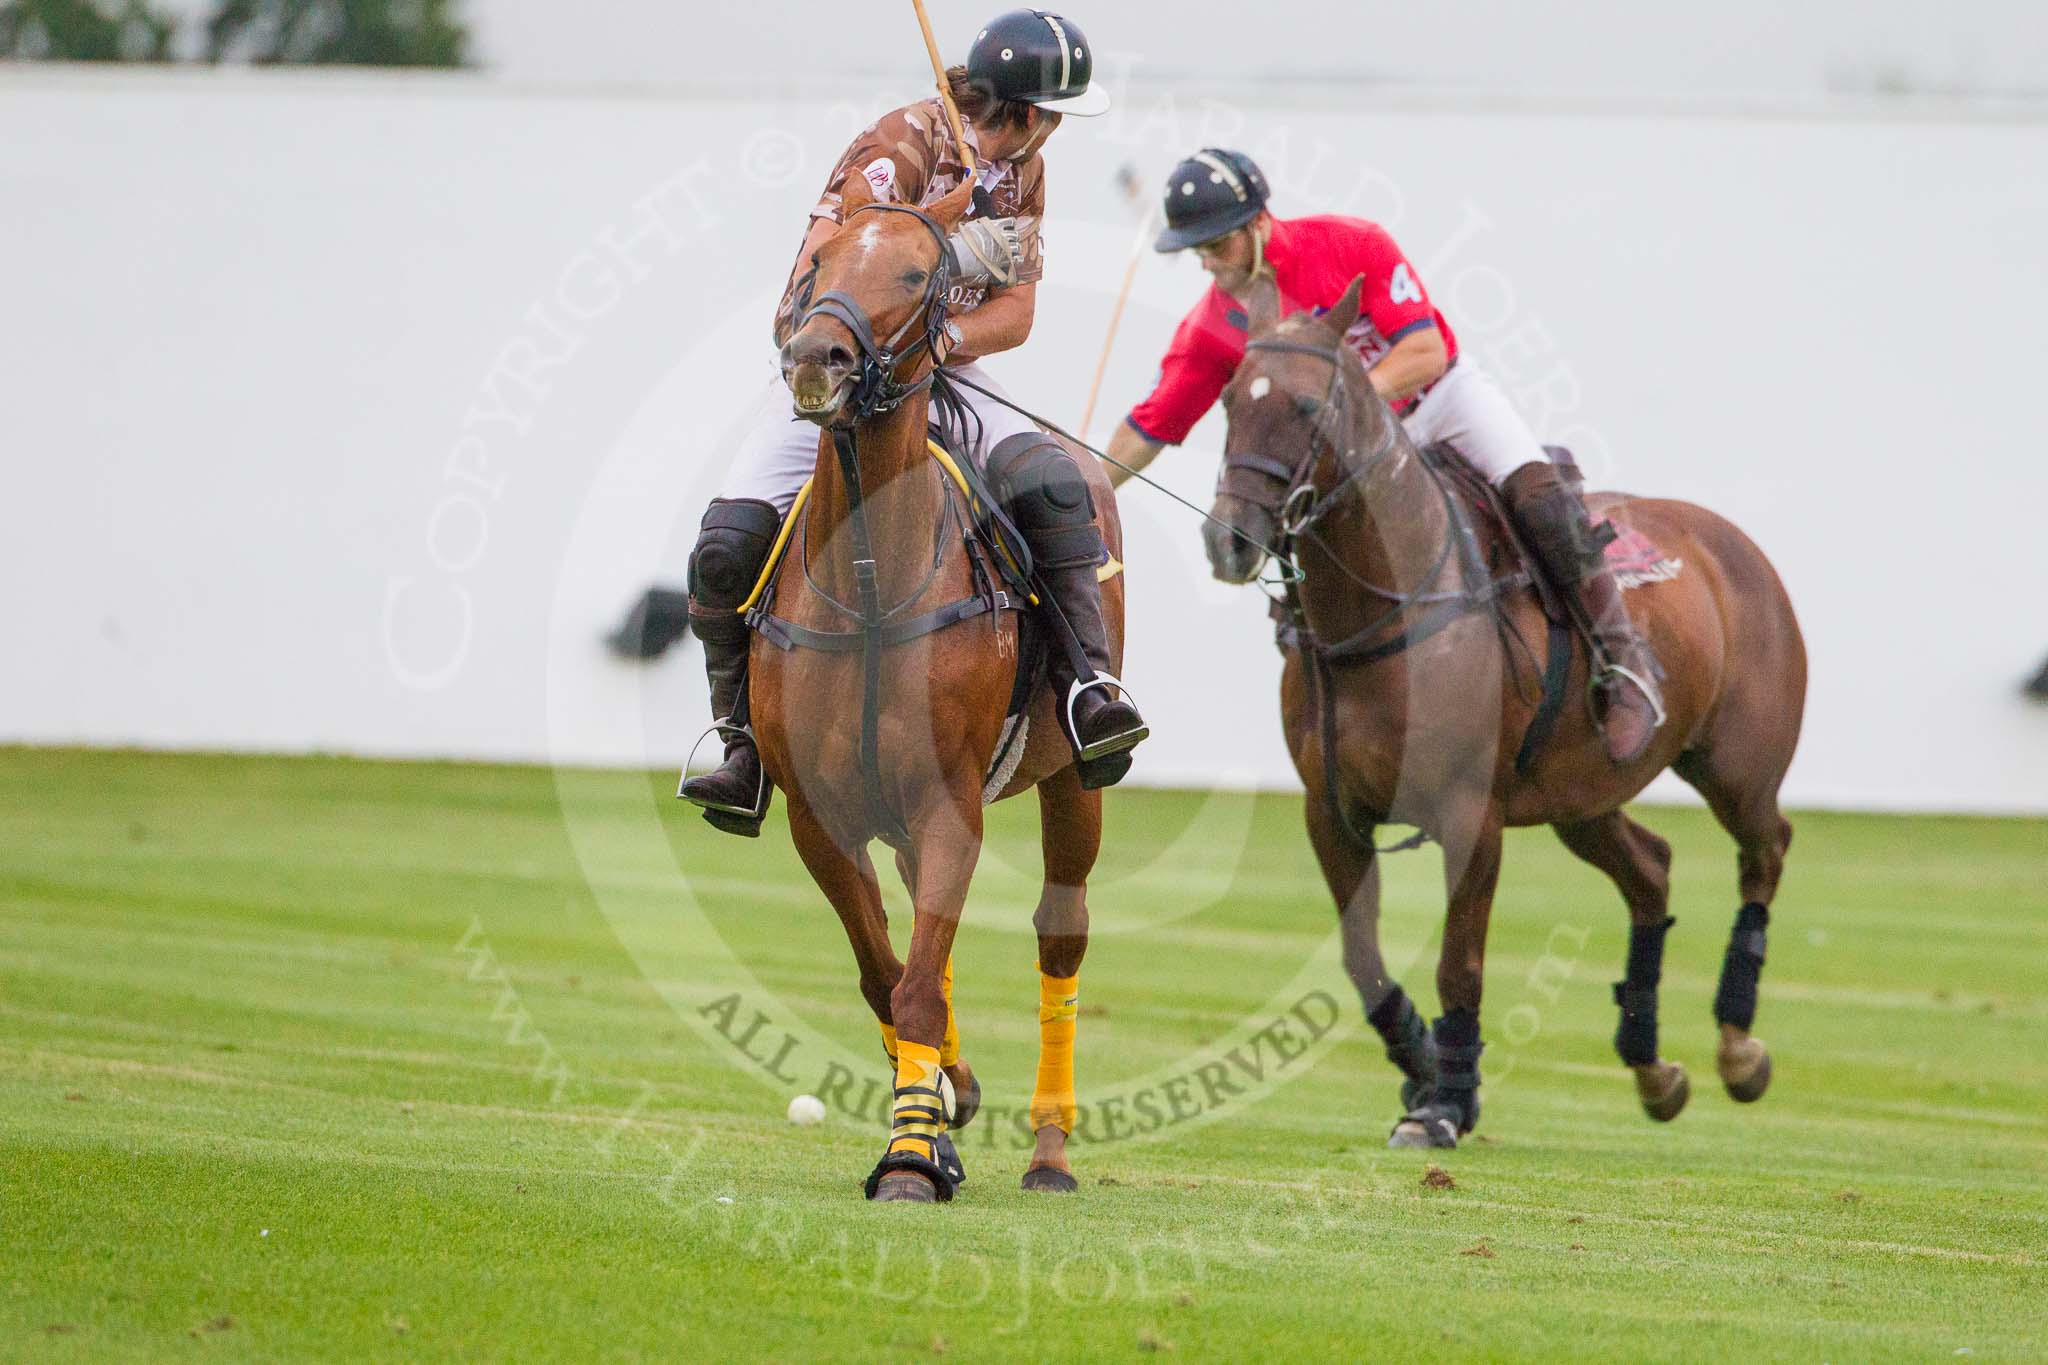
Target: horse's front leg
point(966, 1089)
point(847, 878)
point(1472, 845)
point(920, 1165)
point(1351, 870)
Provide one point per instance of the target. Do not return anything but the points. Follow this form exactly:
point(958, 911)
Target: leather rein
point(878, 391)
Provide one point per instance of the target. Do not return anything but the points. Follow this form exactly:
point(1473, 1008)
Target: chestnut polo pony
point(1409, 695)
point(888, 731)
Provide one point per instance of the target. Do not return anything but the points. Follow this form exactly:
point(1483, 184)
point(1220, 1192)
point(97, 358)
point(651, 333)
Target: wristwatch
point(953, 333)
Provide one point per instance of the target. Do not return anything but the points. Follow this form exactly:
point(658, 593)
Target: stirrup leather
point(727, 732)
point(1115, 744)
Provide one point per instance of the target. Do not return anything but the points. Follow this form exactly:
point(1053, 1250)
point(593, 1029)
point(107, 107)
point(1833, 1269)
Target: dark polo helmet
point(1040, 58)
point(1213, 192)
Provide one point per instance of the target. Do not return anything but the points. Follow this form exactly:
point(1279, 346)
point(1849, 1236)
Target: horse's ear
point(948, 211)
point(854, 193)
point(1264, 305)
point(1346, 310)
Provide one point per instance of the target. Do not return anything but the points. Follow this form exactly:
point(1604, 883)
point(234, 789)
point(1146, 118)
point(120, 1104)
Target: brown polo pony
point(1409, 689)
point(893, 740)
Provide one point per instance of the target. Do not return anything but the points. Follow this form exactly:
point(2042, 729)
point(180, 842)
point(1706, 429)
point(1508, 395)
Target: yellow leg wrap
point(889, 1040)
point(917, 1119)
point(1052, 1100)
point(949, 1046)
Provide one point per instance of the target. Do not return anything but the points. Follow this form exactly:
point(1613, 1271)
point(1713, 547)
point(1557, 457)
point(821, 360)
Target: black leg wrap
point(1409, 1045)
point(1450, 1107)
point(1636, 1039)
point(1742, 968)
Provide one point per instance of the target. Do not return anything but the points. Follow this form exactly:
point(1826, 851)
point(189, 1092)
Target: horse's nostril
point(839, 358)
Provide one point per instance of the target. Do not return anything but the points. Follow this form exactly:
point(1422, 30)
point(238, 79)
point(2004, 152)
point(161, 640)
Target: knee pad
point(1044, 493)
point(732, 546)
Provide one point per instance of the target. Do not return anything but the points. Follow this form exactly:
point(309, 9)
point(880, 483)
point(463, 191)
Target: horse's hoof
point(1433, 1132)
point(1050, 1180)
point(905, 1187)
point(1663, 1088)
point(1746, 1072)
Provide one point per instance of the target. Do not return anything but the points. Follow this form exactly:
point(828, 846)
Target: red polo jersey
point(1313, 261)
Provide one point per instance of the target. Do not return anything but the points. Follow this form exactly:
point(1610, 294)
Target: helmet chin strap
point(1260, 266)
point(1038, 136)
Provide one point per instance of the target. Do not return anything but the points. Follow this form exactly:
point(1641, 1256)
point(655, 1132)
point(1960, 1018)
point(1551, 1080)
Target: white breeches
point(1468, 411)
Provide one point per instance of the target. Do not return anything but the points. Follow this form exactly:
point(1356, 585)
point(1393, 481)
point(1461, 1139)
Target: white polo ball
point(806, 1111)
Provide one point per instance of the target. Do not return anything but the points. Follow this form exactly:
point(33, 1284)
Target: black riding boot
point(734, 795)
point(1545, 501)
point(1103, 725)
point(1047, 497)
point(732, 547)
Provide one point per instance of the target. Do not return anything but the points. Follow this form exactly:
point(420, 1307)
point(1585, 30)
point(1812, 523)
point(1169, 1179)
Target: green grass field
point(319, 1058)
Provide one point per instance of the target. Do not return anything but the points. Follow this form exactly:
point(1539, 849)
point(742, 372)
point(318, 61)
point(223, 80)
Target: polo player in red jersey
point(1216, 206)
point(1026, 70)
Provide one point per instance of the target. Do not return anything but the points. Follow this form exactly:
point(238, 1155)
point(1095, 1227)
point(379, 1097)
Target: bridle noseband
point(879, 390)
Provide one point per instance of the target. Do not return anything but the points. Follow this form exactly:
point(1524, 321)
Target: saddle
point(1498, 549)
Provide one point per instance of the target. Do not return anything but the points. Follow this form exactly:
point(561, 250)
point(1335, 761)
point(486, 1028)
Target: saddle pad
point(1634, 559)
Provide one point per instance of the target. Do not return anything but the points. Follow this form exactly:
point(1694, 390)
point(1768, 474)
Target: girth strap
point(788, 635)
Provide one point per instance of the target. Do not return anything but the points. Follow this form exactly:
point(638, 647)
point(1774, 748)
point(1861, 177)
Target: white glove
point(986, 251)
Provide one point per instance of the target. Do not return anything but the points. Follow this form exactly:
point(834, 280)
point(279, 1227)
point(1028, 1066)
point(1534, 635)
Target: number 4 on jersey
point(1404, 289)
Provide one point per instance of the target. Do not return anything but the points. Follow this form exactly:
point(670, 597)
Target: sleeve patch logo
point(881, 173)
point(1404, 289)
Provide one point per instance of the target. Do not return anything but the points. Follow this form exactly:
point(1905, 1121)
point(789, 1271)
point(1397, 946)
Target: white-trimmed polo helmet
point(1040, 58)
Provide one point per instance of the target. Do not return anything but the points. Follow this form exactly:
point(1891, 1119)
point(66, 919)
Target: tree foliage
point(77, 30)
point(336, 32)
point(264, 32)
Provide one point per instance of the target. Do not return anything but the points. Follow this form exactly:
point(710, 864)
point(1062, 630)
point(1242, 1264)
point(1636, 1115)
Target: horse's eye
point(914, 278)
point(1307, 407)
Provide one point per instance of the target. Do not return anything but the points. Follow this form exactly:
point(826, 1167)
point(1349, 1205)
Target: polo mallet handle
point(931, 48)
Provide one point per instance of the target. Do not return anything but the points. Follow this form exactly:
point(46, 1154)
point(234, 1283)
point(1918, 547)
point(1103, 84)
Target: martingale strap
point(875, 628)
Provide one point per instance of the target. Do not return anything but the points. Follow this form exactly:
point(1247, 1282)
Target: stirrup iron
point(1650, 692)
point(1115, 744)
point(726, 731)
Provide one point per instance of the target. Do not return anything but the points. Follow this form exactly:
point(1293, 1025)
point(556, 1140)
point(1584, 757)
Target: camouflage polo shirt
point(909, 157)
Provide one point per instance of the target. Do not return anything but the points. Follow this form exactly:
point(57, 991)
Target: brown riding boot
point(1545, 501)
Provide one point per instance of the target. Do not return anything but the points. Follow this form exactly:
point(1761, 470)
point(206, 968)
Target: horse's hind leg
point(1744, 798)
point(1070, 825)
point(1640, 864)
point(1352, 872)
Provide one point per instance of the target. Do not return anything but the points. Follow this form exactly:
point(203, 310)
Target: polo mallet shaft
point(1116, 317)
point(931, 47)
